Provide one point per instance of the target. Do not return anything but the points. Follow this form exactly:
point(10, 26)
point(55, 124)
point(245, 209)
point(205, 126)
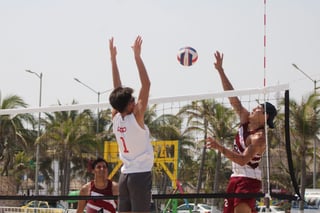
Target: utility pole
point(39, 75)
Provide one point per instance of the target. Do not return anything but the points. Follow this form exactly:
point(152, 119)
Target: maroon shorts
point(241, 185)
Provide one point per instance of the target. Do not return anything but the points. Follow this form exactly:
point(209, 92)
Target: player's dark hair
point(271, 111)
point(120, 98)
point(98, 160)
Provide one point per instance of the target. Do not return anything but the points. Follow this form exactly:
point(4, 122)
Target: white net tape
point(162, 100)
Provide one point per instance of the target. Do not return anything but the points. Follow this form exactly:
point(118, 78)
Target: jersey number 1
point(125, 150)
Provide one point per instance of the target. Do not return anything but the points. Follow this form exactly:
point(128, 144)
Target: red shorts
point(241, 185)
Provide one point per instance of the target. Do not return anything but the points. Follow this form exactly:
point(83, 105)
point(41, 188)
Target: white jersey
point(250, 170)
point(245, 171)
point(135, 148)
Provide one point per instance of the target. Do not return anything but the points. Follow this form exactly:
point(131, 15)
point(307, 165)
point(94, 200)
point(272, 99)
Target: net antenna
point(268, 191)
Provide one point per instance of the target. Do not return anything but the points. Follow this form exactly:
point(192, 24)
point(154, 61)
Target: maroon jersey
point(101, 205)
point(239, 144)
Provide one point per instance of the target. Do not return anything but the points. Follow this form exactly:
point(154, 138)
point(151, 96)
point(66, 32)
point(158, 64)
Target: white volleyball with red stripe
point(187, 56)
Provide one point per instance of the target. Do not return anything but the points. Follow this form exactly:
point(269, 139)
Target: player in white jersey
point(249, 145)
point(133, 137)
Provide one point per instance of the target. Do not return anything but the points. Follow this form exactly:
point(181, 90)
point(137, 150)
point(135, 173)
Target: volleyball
point(187, 56)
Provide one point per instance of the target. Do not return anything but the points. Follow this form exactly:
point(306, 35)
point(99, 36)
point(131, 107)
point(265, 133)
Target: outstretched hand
point(113, 49)
point(219, 60)
point(137, 46)
point(115, 71)
point(211, 143)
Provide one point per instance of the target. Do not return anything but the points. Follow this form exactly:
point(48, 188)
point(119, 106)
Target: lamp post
point(39, 75)
point(98, 93)
point(314, 143)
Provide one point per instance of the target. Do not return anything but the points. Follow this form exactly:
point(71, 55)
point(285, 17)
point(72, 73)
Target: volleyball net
point(46, 151)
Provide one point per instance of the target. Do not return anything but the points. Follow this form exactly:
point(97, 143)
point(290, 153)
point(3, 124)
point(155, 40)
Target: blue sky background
point(64, 39)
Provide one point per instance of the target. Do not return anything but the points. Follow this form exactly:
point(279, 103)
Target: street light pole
point(314, 142)
point(96, 92)
point(39, 75)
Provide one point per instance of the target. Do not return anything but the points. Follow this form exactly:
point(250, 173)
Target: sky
point(67, 39)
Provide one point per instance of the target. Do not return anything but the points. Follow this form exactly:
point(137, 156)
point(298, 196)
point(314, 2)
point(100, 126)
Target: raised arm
point(226, 84)
point(256, 146)
point(115, 71)
point(143, 97)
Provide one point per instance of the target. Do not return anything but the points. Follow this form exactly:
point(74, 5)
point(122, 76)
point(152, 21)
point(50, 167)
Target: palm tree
point(69, 136)
point(163, 127)
point(198, 114)
point(168, 127)
point(105, 129)
point(223, 127)
point(209, 118)
point(304, 125)
point(23, 168)
point(12, 131)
